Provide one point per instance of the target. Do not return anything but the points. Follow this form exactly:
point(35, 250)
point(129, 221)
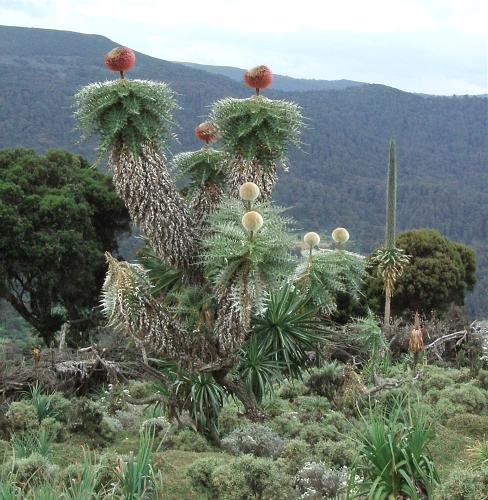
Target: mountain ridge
point(338, 176)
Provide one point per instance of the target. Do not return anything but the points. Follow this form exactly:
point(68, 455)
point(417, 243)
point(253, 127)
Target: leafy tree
point(439, 273)
point(57, 217)
point(219, 294)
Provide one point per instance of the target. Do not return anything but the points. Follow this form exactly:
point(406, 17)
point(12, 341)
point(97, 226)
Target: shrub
point(189, 440)
point(325, 380)
point(109, 428)
point(338, 420)
point(256, 439)
point(315, 480)
point(314, 432)
point(87, 416)
point(22, 416)
point(61, 407)
point(312, 408)
point(336, 453)
point(437, 380)
point(248, 477)
point(467, 423)
point(33, 470)
point(275, 406)
point(229, 418)
point(287, 425)
point(483, 379)
point(461, 484)
point(470, 397)
point(292, 389)
point(295, 453)
point(138, 389)
point(109, 462)
point(56, 430)
point(200, 474)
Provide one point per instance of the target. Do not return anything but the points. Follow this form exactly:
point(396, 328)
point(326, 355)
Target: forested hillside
point(337, 179)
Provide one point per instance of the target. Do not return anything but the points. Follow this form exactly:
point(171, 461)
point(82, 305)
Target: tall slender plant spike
point(391, 197)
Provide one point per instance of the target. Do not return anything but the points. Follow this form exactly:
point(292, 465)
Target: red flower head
point(120, 59)
point(259, 77)
point(206, 131)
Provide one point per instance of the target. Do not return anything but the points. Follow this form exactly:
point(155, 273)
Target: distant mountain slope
point(337, 179)
point(280, 82)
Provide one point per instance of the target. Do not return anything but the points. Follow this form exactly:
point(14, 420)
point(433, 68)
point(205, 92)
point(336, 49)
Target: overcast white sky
point(431, 46)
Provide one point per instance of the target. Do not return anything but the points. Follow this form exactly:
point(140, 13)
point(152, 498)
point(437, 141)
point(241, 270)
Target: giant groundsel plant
point(217, 292)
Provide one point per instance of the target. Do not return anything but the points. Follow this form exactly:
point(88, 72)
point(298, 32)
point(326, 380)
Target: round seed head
point(249, 191)
point(252, 221)
point(311, 239)
point(340, 235)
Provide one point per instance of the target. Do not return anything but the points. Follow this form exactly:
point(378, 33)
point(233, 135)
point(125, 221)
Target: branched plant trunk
point(241, 171)
point(238, 388)
point(229, 326)
point(205, 202)
point(155, 205)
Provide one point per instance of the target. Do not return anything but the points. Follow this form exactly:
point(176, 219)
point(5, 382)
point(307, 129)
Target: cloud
point(432, 46)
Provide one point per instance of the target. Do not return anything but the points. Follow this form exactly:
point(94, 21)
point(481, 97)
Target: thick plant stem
point(388, 294)
point(242, 171)
point(238, 388)
point(155, 205)
point(205, 202)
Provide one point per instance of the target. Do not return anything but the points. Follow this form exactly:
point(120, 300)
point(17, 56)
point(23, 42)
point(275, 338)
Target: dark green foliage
point(126, 113)
point(287, 330)
point(393, 456)
point(461, 484)
point(337, 453)
point(58, 216)
point(258, 367)
point(329, 275)
point(230, 254)
point(189, 440)
point(440, 272)
point(247, 477)
point(22, 416)
point(200, 473)
point(200, 167)
point(325, 380)
point(257, 127)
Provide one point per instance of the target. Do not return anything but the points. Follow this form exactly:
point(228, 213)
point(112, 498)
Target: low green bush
point(56, 430)
point(188, 440)
point(336, 453)
point(21, 417)
point(61, 407)
point(248, 477)
point(461, 484)
point(31, 471)
point(287, 425)
point(275, 406)
point(311, 408)
point(229, 418)
point(138, 389)
point(295, 453)
point(200, 474)
point(467, 423)
point(292, 389)
point(324, 381)
point(315, 432)
point(256, 439)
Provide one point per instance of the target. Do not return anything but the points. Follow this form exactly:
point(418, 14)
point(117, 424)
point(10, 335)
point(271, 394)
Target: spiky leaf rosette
point(126, 113)
point(200, 167)
point(254, 264)
point(155, 205)
point(327, 274)
point(130, 308)
point(256, 132)
point(205, 170)
point(288, 329)
point(390, 264)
